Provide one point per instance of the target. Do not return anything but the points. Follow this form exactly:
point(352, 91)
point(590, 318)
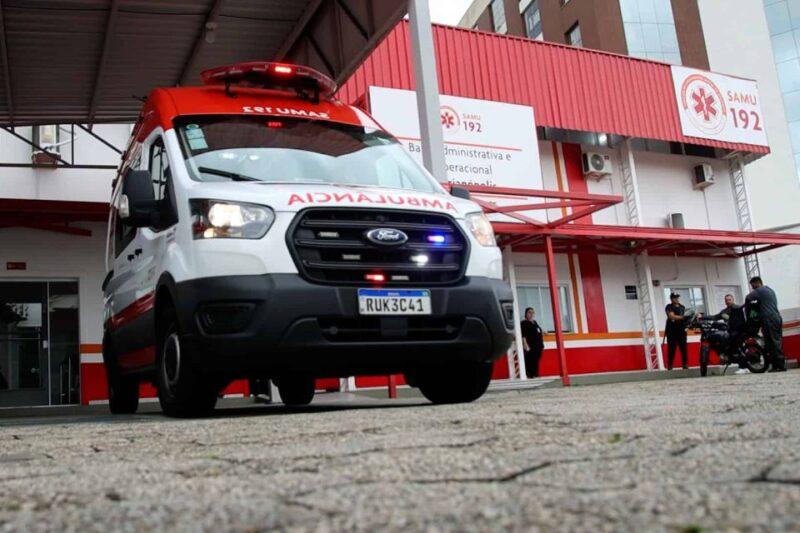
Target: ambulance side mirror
point(459, 192)
point(137, 204)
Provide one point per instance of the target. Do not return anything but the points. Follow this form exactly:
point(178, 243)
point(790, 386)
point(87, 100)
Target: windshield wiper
point(225, 174)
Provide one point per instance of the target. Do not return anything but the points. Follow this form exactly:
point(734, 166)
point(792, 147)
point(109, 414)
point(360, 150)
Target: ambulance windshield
point(281, 150)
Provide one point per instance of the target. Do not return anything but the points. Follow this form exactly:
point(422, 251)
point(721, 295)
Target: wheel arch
point(166, 297)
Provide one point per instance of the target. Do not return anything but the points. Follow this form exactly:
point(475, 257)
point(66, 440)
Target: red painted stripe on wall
point(596, 320)
point(91, 348)
point(593, 298)
point(575, 180)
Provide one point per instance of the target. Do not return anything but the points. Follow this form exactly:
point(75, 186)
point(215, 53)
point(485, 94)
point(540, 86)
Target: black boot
point(778, 366)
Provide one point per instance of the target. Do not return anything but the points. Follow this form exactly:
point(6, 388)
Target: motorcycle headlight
point(214, 219)
point(481, 228)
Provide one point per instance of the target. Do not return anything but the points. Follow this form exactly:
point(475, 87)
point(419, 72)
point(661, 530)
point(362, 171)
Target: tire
point(183, 391)
point(762, 365)
point(296, 390)
point(462, 382)
point(123, 391)
point(704, 355)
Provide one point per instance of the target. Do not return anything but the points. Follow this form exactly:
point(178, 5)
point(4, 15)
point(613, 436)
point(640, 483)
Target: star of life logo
point(450, 118)
point(703, 103)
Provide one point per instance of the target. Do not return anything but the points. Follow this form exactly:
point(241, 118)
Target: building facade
point(730, 36)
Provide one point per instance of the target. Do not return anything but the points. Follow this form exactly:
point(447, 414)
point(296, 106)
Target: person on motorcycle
point(771, 321)
point(734, 316)
point(676, 331)
point(727, 312)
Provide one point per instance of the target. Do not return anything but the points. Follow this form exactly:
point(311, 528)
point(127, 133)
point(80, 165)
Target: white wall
point(617, 271)
point(53, 255)
point(666, 186)
point(738, 42)
point(92, 185)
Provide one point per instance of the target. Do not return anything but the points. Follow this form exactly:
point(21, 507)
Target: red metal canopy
point(569, 88)
point(527, 233)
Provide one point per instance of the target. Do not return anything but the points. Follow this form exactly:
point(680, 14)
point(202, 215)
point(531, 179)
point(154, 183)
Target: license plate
point(394, 302)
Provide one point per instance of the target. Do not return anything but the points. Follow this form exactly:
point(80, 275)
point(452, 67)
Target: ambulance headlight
point(214, 219)
point(481, 228)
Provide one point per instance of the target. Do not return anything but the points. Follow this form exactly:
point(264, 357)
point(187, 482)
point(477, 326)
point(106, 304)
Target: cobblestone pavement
point(719, 453)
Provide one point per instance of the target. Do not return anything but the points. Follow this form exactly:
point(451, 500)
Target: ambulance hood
point(293, 197)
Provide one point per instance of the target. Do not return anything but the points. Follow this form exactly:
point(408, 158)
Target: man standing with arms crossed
point(771, 322)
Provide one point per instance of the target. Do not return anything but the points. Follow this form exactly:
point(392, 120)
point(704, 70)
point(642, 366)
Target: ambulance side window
point(124, 234)
point(162, 185)
point(159, 168)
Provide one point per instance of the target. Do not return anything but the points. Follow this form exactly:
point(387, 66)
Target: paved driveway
point(719, 453)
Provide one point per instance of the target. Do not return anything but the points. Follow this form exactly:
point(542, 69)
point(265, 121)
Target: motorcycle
point(733, 345)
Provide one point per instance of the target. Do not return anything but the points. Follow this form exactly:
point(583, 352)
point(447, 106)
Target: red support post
point(552, 281)
point(392, 386)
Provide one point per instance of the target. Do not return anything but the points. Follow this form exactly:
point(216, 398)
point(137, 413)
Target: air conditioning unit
point(675, 221)
point(703, 176)
point(596, 165)
point(46, 137)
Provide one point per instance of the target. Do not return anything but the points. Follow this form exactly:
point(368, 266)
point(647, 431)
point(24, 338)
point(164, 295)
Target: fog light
point(219, 319)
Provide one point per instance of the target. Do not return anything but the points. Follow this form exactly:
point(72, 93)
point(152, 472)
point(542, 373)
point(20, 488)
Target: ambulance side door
point(121, 289)
point(151, 242)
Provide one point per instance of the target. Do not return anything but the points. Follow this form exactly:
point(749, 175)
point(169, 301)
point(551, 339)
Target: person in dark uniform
point(729, 310)
point(533, 343)
point(676, 331)
point(735, 317)
point(771, 322)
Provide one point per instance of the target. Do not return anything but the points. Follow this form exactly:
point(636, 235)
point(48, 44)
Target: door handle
point(130, 257)
point(138, 252)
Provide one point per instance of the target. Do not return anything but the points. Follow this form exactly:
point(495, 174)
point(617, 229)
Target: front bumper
point(288, 324)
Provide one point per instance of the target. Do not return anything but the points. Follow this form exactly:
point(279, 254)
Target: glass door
point(23, 344)
point(39, 343)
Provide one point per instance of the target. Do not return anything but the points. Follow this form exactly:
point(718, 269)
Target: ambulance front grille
point(330, 246)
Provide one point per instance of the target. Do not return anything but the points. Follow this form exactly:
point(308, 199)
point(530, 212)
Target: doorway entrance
point(39, 343)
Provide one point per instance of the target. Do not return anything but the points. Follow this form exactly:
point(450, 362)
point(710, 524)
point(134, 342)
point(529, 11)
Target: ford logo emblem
point(387, 236)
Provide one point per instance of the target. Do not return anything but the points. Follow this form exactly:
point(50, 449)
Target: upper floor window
point(650, 30)
point(499, 16)
point(533, 21)
point(573, 36)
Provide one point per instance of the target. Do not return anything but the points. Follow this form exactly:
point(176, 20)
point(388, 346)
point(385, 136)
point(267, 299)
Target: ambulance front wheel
point(296, 390)
point(183, 391)
point(456, 382)
point(123, 391)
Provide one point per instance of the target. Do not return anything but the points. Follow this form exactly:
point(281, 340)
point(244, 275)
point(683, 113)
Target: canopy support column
point(741, 200)
point(651, 338)
point(424, 58)
point(552, 281)
point(511, 276)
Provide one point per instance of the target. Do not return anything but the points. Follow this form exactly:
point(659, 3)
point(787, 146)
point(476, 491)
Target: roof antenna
point(228, 89)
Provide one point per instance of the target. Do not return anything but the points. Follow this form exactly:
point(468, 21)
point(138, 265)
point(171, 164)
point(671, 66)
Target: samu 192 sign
point(723, 108)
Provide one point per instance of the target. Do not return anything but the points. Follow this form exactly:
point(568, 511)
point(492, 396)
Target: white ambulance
point(260, 229)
